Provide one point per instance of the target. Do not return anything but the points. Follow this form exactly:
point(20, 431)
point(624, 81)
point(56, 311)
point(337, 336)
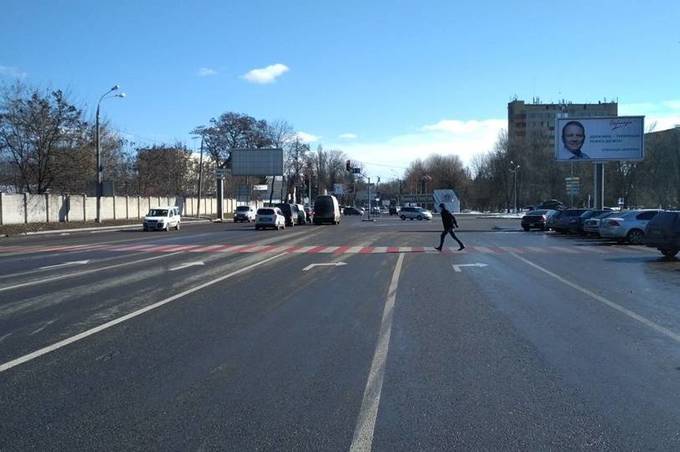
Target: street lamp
point(200, 172)
point(99, 163)
point(514, 167)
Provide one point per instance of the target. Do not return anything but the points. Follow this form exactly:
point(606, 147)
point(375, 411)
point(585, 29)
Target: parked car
point(552, 217)
point(270, 217)
point(394, 210)
point(415, 213)
point(162, 219)
point(326, 210)
point(663, 233)
point(591, 226)
point(244, 213)
point(352, 211)
point(535, 219)
point(289, 212)
point(627, 226)
point(375, 210)
point(302, 214)
point(585, 216)
point(568, 221)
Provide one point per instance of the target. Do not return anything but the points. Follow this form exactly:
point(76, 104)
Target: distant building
point(538, 120)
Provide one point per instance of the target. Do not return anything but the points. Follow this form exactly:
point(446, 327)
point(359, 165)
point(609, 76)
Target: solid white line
point(633, 315)
point(81, 273)
point(363, 433)
point(107, 325)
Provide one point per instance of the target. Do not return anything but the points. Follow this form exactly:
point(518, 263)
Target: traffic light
point(348, 165)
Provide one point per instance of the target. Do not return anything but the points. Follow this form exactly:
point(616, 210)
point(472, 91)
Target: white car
point(415, 213)
point(244, 213)
point(270, 217)
point(162, 219)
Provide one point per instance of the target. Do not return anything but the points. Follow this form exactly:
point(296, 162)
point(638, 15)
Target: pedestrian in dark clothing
point(449, 221)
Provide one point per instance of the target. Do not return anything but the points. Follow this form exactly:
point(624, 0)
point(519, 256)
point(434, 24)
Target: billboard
point(257, 162)
point(600, 138)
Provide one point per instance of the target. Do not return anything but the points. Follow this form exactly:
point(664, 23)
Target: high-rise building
point(538, 120)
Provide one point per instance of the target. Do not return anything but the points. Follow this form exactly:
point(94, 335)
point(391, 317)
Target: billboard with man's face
point(600, 138)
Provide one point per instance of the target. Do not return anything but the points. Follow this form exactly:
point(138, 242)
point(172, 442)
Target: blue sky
point(384, 81)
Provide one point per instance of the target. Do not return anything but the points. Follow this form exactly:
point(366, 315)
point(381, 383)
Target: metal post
point(514, 174)
point(99, 169)
point(200, 178)
point(598, 186)
point(220, 198)
point(369, 198)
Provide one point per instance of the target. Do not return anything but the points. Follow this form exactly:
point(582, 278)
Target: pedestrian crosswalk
point(325, 249)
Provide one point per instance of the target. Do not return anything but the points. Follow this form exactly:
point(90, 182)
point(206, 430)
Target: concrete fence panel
point(144, 206)
point(90, 208)
point(55, 208)
point(120, 208)
point(76, 208)
point(36, 208)
point(13, 209)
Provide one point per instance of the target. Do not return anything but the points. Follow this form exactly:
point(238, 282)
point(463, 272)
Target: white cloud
point(348, 136)
point(11, 71)
point(390, 157)
point(661, 115)
point(307, 137)
point(266, 75)
point(206, 72)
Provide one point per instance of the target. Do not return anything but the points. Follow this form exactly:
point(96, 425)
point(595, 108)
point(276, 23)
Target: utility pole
point(200, 178)
point(513, 169)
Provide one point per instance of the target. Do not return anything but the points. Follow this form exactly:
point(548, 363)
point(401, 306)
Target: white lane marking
point(324, 264)
point(84, 272)
point(2, 338)
point(363, 433)
point(65, 264)
point(458, 267)
point(353, 249)
point(617, 307)
point(379, 249)
point(329, 249)
point(405, 249)
point(63, 343)
point(187, 264)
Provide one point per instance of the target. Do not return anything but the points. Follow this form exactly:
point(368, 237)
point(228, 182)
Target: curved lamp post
point(99, 164)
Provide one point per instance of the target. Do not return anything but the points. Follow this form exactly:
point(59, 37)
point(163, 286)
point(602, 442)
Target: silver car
point(415, 213)
point(626, 226)
point(592, 225)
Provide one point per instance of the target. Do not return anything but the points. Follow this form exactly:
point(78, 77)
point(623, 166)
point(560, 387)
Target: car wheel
point(403, 218)
point(419, 218)
point(635, 236)
point(670, 252)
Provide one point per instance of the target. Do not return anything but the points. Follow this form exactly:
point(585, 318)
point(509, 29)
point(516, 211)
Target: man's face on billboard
point(573, 136)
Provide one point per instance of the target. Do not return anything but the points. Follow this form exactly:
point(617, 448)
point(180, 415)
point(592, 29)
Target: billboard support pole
point(598, 186)
point(220, 198)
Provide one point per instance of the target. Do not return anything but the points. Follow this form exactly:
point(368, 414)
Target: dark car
point(663, 233)
point(587, 215)
point(568, 221)
point(289, 212)
point(352, 211)
point(394, 210)
point(535, 219)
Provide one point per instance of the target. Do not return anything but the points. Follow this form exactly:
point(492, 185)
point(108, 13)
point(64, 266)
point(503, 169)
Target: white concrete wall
point(12, 209)
point(75, 208)
point(36, 209)
point(56, 208)
point(120, 208)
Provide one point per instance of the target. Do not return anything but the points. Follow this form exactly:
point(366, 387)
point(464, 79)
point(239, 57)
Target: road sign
point(219, 173)
point(263, 187)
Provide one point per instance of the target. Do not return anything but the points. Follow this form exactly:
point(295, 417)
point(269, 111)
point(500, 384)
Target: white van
point(162, 219)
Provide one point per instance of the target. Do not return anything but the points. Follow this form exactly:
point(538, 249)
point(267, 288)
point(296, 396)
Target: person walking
point(449, 221)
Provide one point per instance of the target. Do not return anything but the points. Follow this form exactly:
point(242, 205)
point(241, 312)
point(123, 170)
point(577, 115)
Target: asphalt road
point(218, 337)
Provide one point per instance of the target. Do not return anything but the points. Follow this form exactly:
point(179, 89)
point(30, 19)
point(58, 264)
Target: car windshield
point(265, 212)
point(158, 213)
point(243, 209)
